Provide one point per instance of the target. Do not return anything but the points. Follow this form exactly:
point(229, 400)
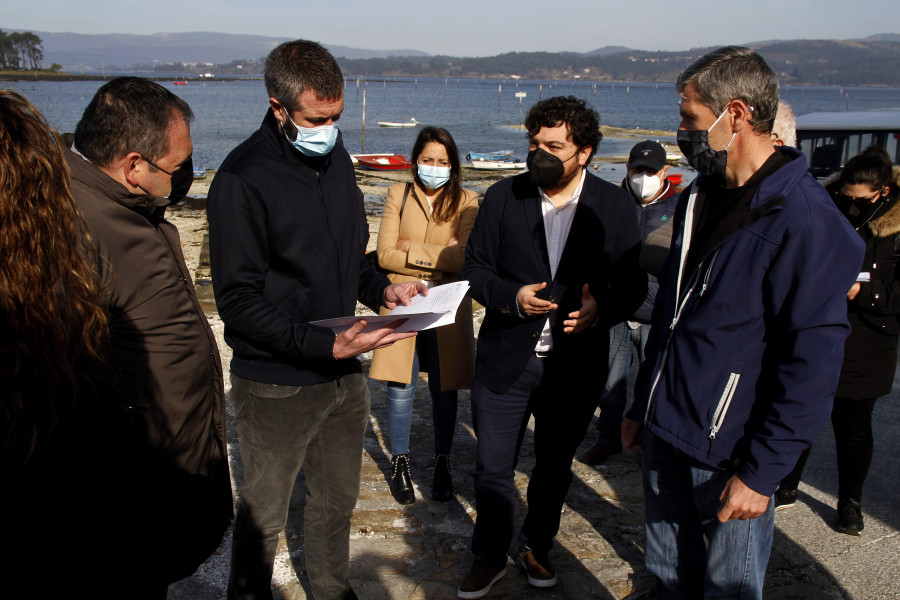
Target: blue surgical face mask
point(313, 141)
point(434, 177)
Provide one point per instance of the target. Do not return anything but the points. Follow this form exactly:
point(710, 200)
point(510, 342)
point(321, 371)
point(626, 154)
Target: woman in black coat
point(866, 193)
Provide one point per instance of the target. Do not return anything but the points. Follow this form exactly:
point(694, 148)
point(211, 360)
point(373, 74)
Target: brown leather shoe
point(541, 573)
point(598, 453)
point(481, 577)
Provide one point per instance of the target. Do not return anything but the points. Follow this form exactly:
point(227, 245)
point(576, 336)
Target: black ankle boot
point(442, 485)
point(401, 484)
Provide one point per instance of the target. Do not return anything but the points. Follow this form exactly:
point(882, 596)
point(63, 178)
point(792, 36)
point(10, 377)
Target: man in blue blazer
point(553, 257)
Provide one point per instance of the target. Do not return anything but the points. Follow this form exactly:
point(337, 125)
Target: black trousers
point(554, 393)
point(852, 423)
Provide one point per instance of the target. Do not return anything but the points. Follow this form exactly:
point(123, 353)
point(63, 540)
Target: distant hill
point(76, 51)
point(814, 62)
point(882, 37)
point(874, 60)
point(607, 50)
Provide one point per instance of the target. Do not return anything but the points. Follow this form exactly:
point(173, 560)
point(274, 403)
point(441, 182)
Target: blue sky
point(473, 27)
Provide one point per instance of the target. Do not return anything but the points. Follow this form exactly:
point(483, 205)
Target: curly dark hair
point(447, 202)
point(582, 121)
point(52, 319)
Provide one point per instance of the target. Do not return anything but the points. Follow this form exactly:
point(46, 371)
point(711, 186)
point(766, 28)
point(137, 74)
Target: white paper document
point(425, 312)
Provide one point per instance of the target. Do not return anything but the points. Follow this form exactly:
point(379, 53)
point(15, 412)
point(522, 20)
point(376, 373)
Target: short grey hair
point(294, 67)
point(785, 126)
point(735, 73)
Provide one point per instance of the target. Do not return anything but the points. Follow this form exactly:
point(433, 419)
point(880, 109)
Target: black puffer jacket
point(870, 353)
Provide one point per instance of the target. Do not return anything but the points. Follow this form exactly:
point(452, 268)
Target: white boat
point(412, 123)
point(497, 165)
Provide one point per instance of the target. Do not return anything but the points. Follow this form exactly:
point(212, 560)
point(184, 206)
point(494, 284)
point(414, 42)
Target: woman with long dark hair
point(58, 482)
point(866, 193)
point(51, 317)
point(423, 235)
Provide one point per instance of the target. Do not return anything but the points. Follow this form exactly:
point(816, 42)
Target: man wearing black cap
point(656, 196)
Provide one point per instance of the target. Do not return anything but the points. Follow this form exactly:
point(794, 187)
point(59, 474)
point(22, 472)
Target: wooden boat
point(497, 165)
point(355, 157)
point(394, 162)
point(412, 123)
point(496, 155)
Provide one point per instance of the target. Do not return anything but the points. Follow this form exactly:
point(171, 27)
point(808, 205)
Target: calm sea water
point(480, 114)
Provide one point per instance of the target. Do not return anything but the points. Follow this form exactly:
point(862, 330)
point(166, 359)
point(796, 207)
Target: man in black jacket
point(287, 245)
point(553, 257)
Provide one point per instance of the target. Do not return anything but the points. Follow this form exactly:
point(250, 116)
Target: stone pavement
point(421, 551)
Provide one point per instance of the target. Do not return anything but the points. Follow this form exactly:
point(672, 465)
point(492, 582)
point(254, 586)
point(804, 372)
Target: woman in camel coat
point(423, 235)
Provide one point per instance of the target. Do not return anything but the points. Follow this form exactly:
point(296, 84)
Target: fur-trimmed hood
point(888, 224)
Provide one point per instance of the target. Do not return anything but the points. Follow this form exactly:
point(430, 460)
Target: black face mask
point(182, 178)
point(696, 149)
point(546, 169)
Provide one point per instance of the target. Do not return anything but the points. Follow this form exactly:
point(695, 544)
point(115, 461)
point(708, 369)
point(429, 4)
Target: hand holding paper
point(424, 312)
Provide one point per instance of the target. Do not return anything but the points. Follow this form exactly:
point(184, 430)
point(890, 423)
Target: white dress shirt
point(557, 223)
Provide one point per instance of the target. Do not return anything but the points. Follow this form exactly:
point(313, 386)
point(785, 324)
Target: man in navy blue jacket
point(747, 335)
point(288, 235)
point(553, 257)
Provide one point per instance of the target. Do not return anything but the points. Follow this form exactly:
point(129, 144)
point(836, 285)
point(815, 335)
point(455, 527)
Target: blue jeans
point(400, 401)
point(691, 553)
point(623, 343)
point(282, 428)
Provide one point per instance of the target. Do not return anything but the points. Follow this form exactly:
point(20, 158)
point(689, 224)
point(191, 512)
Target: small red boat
point(180, 82)
point(395, 162)
point(676, 178)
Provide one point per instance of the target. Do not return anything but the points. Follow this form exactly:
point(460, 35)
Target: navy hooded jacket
point(744, 354)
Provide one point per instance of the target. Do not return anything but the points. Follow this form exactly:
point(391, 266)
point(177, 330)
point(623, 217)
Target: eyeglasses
point(157, 167)
point(860, 200)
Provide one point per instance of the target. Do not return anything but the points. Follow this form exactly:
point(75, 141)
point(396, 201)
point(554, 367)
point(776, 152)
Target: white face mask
point(644, 186)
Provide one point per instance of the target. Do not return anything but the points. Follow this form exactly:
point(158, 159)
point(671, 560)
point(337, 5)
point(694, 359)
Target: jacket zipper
point(724, 403)
point(682, 300)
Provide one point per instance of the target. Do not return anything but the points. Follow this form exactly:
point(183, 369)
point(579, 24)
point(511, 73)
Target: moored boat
point(497, 165)
point(355, 157)
point(394, 162)
point(496, 155)
point(412, 123)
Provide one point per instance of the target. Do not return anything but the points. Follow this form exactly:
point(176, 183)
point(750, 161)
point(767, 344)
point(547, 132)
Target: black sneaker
point(541, 573)
point(785, 498)
point(481, 577)
point(850, 519)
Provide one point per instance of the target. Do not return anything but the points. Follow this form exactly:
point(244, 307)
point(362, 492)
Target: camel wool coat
point(428, 259)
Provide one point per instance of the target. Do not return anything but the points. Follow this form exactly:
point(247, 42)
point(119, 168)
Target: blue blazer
point(508, 249)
